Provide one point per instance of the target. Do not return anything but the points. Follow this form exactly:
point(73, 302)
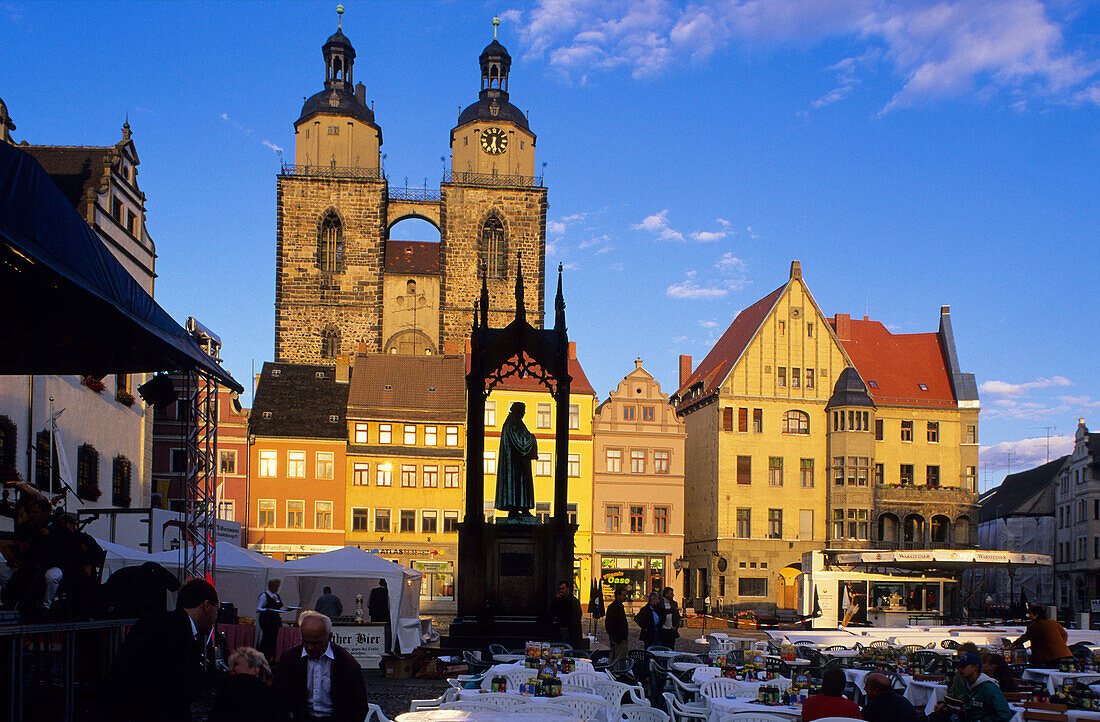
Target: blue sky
point(909, 154)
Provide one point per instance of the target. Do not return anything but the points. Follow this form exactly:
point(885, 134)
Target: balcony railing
point(416, 195)
point(333, 171)
point(492, 179)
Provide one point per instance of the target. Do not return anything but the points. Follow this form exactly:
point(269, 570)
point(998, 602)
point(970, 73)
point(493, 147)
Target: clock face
point(494, 141)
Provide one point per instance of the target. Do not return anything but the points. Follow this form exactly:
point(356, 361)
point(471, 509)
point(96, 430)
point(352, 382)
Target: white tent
point(240, 575)
point(351, 571)
point(119, 556)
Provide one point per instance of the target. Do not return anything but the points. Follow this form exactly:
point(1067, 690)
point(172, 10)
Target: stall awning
point(72, 307)
point(938, 559)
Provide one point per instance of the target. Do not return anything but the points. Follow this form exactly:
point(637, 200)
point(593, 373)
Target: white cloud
point(1004, 388)
point(729, 262)
point(617, 266)
point(594, 241)
point(555, 227)
point(935, 49)
point(574, 217)
point(605, 249)
point(657, 224)
point(708, 236)
point(723, 222)
point(276, 148)
point(1024, 453)
point(708, 323)
point(688, 289)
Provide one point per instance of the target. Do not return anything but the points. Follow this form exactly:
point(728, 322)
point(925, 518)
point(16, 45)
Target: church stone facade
point(343, 285)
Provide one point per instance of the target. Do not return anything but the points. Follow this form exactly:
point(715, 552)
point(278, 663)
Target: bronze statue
point(518, 448)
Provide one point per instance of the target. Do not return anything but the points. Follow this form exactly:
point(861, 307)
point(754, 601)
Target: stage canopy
point(73, 308)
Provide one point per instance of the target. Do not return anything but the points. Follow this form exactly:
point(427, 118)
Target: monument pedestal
point(508, 575)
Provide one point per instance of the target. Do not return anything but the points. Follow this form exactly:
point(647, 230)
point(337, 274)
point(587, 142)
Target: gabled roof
point(298, 403)
point(393, 385)
point(895, 365)
point(1012, 496)
point(417, 257)
point(714, 369)
point(75, 169)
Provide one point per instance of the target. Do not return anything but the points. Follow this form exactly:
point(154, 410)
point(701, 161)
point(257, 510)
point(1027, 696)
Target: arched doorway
point(940, 530)
point(913, 534)
point(888, 529)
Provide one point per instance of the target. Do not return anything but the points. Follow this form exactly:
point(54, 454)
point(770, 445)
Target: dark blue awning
point(71, 306)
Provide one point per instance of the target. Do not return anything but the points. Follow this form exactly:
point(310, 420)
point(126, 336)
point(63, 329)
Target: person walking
point(1047, 637)
point(649, 619)
point(618, 633)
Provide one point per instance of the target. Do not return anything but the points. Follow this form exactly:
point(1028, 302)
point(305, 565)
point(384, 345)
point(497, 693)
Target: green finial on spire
point(339, 17)
point(496, 24)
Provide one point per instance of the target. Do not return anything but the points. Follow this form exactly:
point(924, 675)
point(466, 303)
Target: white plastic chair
point(469, 706)
point(684, 691)
point(835, 719)
point(515, 678)
point(638, 713)
point(614, 691)
point(584, 707)
point(375, 714)
point(584, 679)
point(721, 687)
point(501, 700)
point(570, 688)
point(681, 712)
point(752, 717)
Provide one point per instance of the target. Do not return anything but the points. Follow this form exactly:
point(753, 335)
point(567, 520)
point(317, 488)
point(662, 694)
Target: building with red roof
point(806, 432)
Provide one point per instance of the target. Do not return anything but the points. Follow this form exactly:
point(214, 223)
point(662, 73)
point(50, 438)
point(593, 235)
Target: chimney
point(572, 350)
point(844, 326)
point(685, 369)
point(361, 93)
point(945, 310)
point(362, 347)
point(796, 270)
point(343, 368)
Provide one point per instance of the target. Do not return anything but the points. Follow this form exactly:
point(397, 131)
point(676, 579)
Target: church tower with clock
point(343, 282)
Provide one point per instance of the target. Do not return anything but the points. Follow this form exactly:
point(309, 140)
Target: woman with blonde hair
point(246, 695)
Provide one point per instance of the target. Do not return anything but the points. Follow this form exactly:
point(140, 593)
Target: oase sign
point(366, 642)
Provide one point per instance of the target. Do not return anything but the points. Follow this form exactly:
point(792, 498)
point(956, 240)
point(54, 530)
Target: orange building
point(298, 435)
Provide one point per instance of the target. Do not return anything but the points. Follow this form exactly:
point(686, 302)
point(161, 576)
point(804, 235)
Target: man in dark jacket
point(320, 680)
point(667, 633)
point(649, 619)
point(567, 613)
point(884, 704)
point(615, 623)
point(378, 604)
point(160, 668)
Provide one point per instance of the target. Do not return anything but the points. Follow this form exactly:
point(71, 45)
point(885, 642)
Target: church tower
point(493, 207)
point(331, 221)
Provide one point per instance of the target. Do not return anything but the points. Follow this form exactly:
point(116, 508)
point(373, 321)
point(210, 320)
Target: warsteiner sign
point(365, 642)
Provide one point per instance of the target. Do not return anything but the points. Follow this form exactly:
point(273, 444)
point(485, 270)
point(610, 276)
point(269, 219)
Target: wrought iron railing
point(422, 195)
point(492, 179)
point(330, 171)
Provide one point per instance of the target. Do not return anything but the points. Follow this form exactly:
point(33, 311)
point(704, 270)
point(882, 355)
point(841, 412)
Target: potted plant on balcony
point(746, 619)
point(124, 397)
point(89, 492)
point(92, 382)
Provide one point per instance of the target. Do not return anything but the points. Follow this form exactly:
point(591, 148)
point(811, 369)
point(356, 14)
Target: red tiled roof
point(579, 384)
point(412, 256)
point(893, 365)
point(713, 370)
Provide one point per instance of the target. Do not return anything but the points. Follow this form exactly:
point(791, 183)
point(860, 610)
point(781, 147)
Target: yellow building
point(540, 420)
point(405, 465)
point(787, 452)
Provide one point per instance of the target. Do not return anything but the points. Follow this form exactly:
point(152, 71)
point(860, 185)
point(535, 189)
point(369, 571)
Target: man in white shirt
point(320, 680)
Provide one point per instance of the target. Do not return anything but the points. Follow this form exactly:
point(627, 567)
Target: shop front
point(638, 574)
point(436, 562)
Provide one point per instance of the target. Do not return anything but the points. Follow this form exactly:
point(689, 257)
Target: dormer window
point(276, 372)
point(334, 419)
point(922, 387)
point(319, 375)
point(873, 384)
point(266, 415)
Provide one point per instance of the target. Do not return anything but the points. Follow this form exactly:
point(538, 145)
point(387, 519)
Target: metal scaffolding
point(200, 429)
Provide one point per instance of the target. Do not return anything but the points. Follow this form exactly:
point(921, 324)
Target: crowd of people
point(162, 666)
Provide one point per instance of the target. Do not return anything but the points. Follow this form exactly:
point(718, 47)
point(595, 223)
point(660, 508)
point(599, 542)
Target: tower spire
point(496, 24)
point(339, 17)
point(559, 306)
point(484, 295)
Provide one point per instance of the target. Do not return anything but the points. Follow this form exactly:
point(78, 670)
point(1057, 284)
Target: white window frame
point(269, 464)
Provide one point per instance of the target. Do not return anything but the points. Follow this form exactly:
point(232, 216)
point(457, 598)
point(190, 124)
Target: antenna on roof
point(1047, 429)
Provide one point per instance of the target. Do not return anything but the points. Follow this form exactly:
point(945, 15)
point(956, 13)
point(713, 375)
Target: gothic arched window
point(494, 248)
point(330, 243)
point(330, 343)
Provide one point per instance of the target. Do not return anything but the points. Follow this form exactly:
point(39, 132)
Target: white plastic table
point(508, 658)
point(925, 694)
point(465, 715)
point(704, 673)
point(1054, 679)
point(717, 707)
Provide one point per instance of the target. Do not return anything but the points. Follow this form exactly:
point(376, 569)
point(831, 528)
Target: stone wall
point(308, 300)
point(465, 209)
